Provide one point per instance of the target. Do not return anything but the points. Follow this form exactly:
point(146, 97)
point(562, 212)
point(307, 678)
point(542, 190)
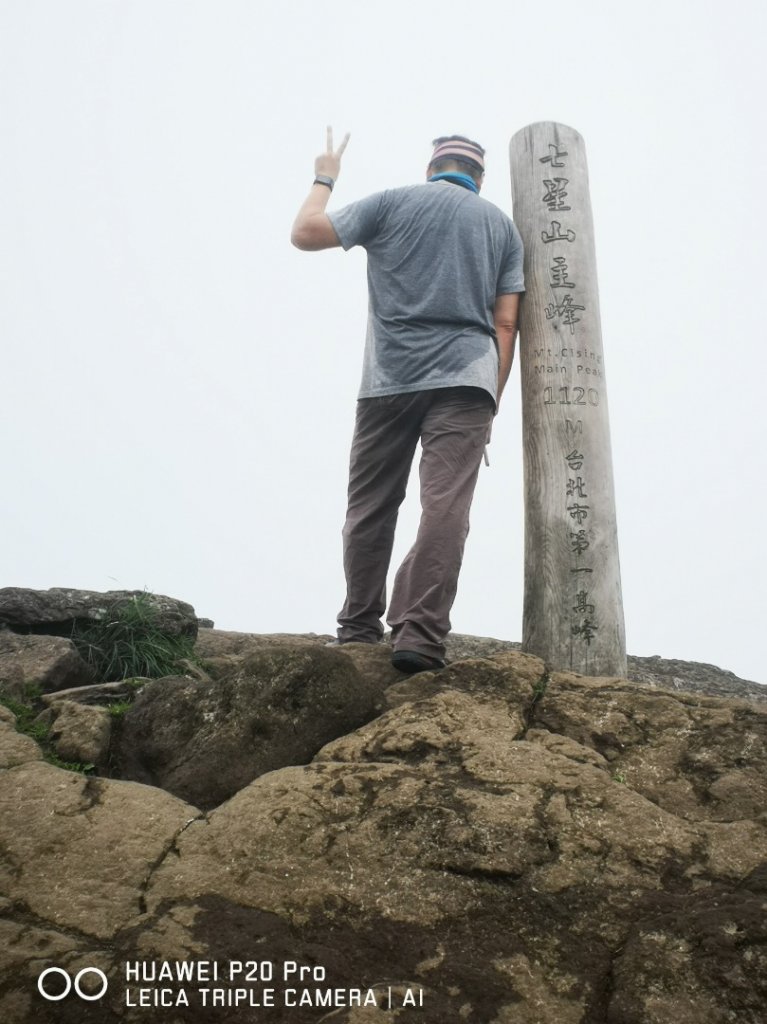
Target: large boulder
point(58, 610)
point(39, 663)
point(79, 733)
point(204, 741)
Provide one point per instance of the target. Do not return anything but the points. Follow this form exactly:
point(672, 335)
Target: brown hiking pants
point(452, 425)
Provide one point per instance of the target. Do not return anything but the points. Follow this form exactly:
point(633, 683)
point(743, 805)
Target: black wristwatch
point(324, 179)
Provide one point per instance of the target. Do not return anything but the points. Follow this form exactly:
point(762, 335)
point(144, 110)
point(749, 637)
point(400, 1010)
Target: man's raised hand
point(329, 162)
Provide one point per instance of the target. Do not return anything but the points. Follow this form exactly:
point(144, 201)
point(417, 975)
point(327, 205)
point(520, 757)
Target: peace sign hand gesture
point(329, 162)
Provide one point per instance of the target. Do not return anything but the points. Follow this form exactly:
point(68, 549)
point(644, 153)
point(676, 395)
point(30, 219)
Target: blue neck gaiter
point(457, 179)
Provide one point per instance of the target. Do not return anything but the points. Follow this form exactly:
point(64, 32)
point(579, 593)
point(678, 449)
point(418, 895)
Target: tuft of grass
point(70, 766)
point(25, 718)
point(129, 643)
point(539, 690)
point(118, 709)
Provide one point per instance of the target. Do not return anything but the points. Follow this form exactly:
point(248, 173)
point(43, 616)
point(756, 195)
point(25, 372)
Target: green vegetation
point(27, 724)
point(130, 643)
point(118, 709)
point(26, 714)
point(70, 766)
point(539, 689)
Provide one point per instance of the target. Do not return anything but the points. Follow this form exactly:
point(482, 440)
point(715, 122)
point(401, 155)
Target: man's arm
point(312, 229)
point(505, 315)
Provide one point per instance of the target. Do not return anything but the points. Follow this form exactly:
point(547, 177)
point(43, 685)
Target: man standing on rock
point(444, 280)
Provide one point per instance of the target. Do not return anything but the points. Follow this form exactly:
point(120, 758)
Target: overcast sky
point(178, 383)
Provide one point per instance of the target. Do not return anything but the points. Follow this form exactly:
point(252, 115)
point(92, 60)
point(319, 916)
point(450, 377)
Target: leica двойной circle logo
point(50, 990)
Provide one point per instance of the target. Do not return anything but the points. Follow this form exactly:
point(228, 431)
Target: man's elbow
point(313, 234)
point(297, 240)
point(506, 329)
point(301, 237)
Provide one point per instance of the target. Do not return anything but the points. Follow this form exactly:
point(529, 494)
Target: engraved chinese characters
point(573, 610)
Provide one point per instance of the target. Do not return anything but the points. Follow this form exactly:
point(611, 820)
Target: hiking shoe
point(411, 662)
point(340, 643)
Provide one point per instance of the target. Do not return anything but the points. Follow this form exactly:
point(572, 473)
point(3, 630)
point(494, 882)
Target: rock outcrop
point(58, 610)
point(491, 843)
point(204, 741)
point(44, 663)
point(79, 733)
point(654, 672)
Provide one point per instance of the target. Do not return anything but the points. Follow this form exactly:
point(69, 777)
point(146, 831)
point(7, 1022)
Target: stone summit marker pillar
point(573, 608)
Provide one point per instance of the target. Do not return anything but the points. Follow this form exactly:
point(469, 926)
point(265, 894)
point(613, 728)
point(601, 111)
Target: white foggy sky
point(178, 383)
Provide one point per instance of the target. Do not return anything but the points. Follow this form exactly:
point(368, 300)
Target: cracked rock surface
point(522, 849)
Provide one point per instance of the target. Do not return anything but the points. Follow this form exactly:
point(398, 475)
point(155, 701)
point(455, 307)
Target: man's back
point(438, 255)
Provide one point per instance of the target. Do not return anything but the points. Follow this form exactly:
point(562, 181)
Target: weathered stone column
point(573, 608)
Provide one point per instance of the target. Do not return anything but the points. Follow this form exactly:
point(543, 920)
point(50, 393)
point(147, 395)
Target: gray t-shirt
point(438, 255)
